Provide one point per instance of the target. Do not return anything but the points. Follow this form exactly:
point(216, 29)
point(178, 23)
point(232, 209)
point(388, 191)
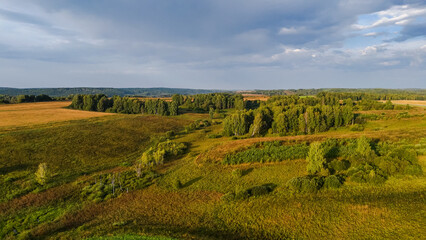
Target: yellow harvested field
point(28, 114)
point(418, 103)
point(252, 97)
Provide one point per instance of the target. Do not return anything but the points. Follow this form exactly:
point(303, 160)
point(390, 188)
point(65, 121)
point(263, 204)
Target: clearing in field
point(253, 97)
point(418, 103)
point(28, 114)
point(410, 102)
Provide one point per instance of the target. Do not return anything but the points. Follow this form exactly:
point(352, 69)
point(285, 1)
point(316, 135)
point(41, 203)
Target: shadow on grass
point(189, 183)
point(6, 170)
point(247, 171)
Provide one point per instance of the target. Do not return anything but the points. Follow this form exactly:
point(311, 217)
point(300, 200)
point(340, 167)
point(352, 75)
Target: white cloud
point(292, 30)
point(399, 15)
point(390, 63)
point(371, 34)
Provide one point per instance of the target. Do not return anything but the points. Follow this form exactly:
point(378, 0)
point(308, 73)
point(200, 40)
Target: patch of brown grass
point(29, 114)
point(252, 97)
point(149, 208)
point(49, 196)
point(418, 103)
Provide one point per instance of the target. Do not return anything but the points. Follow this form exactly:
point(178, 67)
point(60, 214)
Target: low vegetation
point(268, 152)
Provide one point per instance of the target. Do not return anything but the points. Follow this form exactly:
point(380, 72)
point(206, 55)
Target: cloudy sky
point(219, 44)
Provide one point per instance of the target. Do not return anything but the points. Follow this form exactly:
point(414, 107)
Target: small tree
point(211, 113)
point(42, 175)
point(177, 184)
point(364, 149)
point(315, 158)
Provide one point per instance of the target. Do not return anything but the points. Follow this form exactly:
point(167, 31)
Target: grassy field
point(16, 116)
point(80, 151)
point(417, 103)
point(252, 97)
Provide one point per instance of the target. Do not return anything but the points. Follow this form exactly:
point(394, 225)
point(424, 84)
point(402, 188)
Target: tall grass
point(77, 149)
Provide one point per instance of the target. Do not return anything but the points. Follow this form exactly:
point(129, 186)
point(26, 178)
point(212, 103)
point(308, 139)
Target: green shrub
point(294, 184)
point(375, 177)
point(339, 165)
point(170, 134)
point(259, 191)
point(107, 186)
point(332, 182)
point(305, 184)
point(330, 148)
point(388, 165)
point(358, 177)
point(214, 136)
point(237, 172)
point(255, 191)
point(315, 158)
point(241, 195)
point(161, 152)
point(268, 152)
point(366, 173)
point(228, 197)
point(357, 128)
point(177, 184)
point(415, 170)
point(42, 175)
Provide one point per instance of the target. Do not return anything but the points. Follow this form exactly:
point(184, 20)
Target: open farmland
point(418, 103)
point(28, 114)
point(254, 97)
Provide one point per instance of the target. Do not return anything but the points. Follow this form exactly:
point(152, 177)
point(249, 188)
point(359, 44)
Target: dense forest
point(148, 92)
point(117, 104)
point(131, 105)
point(28, 98)
point(354, 93)
point(373, 94)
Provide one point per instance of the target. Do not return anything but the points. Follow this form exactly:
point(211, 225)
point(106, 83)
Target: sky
point(213, 44)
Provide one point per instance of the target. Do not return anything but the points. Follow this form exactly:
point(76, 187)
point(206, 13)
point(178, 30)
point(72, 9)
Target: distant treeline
point(205, 102)
point(355, 94)
point(117, 104)
point(147, 92)
point(128, 105)
point(292, 115)
point(373, 94)
point(27, 98)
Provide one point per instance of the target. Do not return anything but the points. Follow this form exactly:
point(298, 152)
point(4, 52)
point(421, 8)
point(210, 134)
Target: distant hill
point(147, 92)
point(310, 92)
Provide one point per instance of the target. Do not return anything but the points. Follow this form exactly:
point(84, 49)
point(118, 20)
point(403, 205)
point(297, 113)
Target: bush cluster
point(108, 186)
point(255, 191)
point(268, 152)
point(364, 161)
point(198, 124)
point(162, 151)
